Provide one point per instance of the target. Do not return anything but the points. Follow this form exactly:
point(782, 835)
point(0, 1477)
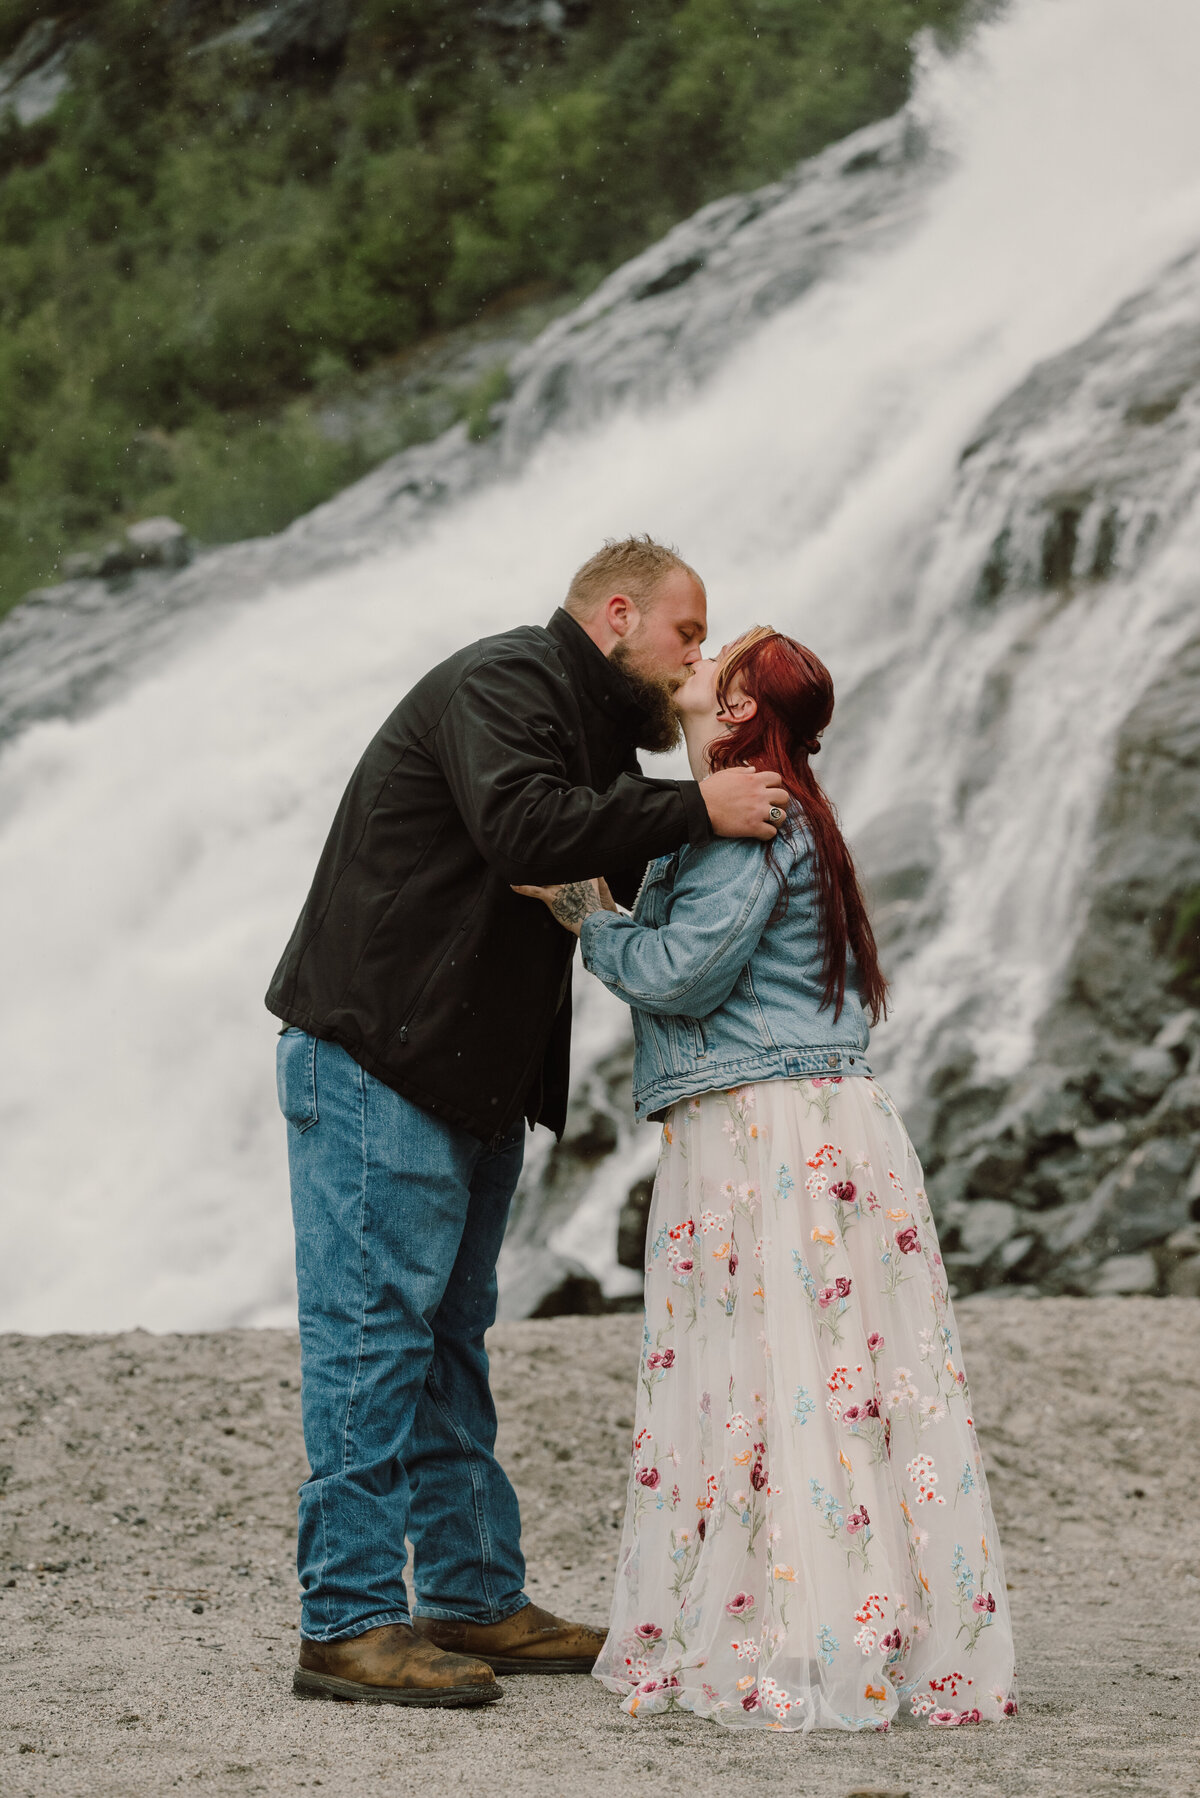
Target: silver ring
point(777, 814)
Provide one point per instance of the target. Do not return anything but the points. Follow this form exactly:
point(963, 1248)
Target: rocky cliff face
point(1082, 1174)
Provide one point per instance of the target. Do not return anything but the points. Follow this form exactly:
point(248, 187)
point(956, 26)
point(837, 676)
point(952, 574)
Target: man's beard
point(661, 729)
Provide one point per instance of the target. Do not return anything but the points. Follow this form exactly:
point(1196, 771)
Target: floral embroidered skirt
point(808, 1540)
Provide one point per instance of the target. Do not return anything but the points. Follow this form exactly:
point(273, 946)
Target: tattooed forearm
point(573, 903)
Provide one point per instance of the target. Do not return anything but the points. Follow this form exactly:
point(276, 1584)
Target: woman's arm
point(724, 894)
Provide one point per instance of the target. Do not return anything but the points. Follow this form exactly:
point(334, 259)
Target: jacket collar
point(594, 678)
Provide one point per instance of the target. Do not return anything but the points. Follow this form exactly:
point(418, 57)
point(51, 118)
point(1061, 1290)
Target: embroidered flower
point(741, 1604)
point(907, 1240)
point(648, 1632)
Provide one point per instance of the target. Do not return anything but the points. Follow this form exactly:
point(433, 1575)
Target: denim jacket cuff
point(587, 936)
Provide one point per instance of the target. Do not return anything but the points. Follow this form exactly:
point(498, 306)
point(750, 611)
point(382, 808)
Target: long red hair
point(793, 693)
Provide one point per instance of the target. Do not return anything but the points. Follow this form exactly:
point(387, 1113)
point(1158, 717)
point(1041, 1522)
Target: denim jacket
point(722, 991)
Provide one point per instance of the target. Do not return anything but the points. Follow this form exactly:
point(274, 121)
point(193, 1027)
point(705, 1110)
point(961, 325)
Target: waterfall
point(812, 404)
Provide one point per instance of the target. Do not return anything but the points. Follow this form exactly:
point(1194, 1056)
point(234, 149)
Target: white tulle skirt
point(808, 1540)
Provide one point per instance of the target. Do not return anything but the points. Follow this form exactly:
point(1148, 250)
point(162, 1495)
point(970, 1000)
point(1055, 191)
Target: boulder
point(631, 1225)
point(995, 1170)
point(1140, 1203)
point(1125, 1274)
point(1102, 1136)
point(1179, 1107)
point(983, 1225)
point(1179, 1032)
point(1135, 1084)
point(159, 543)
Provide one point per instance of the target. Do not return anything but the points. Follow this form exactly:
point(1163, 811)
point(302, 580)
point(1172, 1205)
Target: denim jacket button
point(832, 1060)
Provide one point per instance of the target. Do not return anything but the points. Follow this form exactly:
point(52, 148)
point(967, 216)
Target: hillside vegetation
point(217, 223)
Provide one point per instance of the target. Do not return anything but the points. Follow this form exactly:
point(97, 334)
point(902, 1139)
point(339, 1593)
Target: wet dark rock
point(1179, 1107)
point(994, 1172)
point(1125, 1275)
point(1137, 1083)
point(576, 1294)
point(983, 1226)
point(1139, 1204)
point(631, 1225)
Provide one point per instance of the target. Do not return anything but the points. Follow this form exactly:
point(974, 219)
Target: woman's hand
point(572, 901)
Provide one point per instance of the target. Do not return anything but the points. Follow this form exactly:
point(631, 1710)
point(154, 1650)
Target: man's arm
point(502, 744)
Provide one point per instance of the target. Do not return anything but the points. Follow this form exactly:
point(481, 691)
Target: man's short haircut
point(635, 566)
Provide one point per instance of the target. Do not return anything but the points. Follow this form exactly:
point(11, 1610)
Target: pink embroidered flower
point(741, 1604)
point(733, 1261)
point(752, 1701)
point(667, 1358)
point(845, 1190)
point(826, 1297)
point(908, 1243)
point(648, 1632)
point(648, 1476)
point(874, 1342)
point(842, 1286)
point(948, 1719)
point(654, 1358)
point(857, 1520)
point(685, 1265)
point(1010, 1707)
point(983, 1601)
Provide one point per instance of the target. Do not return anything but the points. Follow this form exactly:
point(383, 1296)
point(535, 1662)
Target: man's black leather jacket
point(510, 763)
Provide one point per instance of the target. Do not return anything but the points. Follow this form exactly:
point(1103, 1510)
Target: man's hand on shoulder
point(739, 802)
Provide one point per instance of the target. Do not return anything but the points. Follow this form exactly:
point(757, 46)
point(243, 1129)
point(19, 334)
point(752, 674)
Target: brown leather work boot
point(392, 1665)
point(530, 1641)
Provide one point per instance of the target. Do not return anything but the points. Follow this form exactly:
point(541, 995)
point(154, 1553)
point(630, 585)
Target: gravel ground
point(148, 1607)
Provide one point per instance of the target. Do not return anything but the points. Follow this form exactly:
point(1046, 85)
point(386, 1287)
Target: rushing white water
point(153, 856)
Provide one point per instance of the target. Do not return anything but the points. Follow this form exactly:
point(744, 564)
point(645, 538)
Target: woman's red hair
point(793, 692)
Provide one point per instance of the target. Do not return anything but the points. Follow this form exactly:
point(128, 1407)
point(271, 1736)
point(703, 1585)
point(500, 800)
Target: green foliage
point(195, 239)
point(1184, 948)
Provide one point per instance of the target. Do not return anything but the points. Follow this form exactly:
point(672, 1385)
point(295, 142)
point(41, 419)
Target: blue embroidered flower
point(802, 1406)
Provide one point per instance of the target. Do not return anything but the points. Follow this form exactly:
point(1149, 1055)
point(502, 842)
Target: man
point(428, 1017)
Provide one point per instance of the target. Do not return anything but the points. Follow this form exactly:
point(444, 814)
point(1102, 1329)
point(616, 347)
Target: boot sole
point(500, 1663)
point(325, 1685)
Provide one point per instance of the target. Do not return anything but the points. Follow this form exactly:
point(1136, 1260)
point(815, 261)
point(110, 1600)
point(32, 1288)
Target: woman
point(808, 1541)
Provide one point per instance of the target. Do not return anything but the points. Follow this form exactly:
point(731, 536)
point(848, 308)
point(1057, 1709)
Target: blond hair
point(635, 566)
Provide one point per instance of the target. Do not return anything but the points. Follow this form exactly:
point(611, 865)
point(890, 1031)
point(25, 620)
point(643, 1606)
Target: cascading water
point(154, 852)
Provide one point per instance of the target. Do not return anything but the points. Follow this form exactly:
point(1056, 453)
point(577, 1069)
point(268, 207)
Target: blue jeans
point(399, 1220)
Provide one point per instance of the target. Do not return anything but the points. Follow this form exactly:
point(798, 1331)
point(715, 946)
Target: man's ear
point(621, 614)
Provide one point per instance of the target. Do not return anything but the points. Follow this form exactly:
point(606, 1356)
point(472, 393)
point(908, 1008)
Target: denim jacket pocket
point(296, 1078)
point(685, 1041)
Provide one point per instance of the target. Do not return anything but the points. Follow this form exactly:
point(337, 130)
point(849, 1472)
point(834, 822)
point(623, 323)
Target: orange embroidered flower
point(845, 1463)
point(897, 1214)
point(785, 1572)
point(744, 1460)
point(720, 1252)
point(823, 1236)
point(876, 1692)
